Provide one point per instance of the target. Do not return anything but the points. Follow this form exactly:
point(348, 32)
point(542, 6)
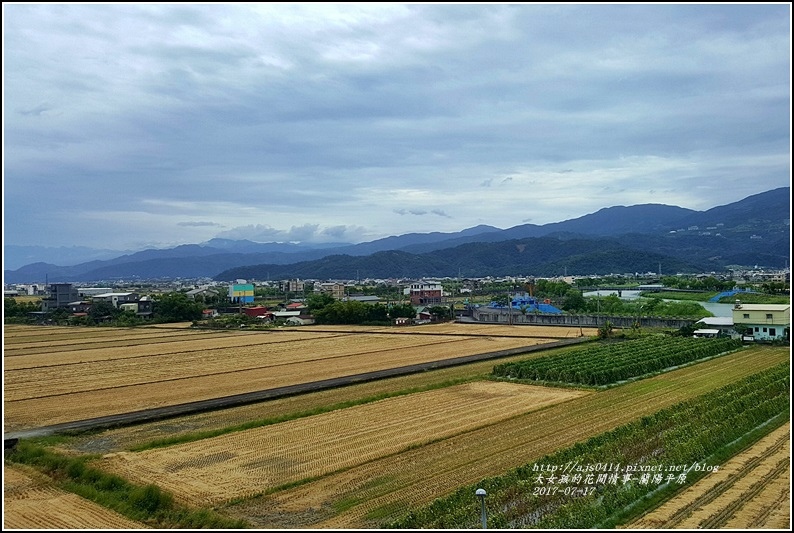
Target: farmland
point(211, 471)
point(383, 489)
point(605, 364)
point(750, 491)
point(660, 448)
point(358, 456)
point(30, 501)
point(48, 381)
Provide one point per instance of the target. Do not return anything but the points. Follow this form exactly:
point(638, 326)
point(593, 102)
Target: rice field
point(47, 381)
point(124, 438)
point(365, 495)
point(246, 463)
point(31, 502)
point(352, 467)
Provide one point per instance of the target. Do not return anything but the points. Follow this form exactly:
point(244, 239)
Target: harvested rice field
point(246, 463)
point(124, 438)
point(30, 502)
point(750, 491)
point(363, 496)
point(350, 457)
point(47, 381)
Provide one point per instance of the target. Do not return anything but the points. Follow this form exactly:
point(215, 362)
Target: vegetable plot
point(610, 363)
point(750, 491)
point(673, 443)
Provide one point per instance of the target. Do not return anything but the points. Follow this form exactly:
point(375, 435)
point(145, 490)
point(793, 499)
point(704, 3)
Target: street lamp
point(483, 517)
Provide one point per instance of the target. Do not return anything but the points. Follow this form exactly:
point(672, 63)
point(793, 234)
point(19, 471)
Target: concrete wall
point(502, 316)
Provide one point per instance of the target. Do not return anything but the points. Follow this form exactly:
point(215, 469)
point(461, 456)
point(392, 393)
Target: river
point(717, 309)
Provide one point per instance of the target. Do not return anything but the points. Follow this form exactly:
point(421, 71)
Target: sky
point(131, 126)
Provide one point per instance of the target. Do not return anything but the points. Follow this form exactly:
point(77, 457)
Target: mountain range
point(754, 231)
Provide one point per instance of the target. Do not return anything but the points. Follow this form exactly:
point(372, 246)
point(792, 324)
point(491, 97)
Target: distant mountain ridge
point(755, 230)
point(542, 256)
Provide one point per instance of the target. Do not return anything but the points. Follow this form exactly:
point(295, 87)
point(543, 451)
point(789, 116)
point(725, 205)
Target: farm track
point(733, 497)
point(386, 487)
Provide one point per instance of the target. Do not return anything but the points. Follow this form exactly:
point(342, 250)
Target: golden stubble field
point(31, 502)
point(54, 375)
point(365, 495)
point(335, 487)
point(246, 463)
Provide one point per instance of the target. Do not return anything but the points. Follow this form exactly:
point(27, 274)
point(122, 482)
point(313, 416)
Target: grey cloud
point(301, 110)
point(36, 111)
point(312, 233)
point(200, 224)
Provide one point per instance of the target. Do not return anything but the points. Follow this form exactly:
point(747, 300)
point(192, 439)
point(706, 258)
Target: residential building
point(143, 307)
point(241, 292)
point(425, 293)
point(117, 298)
point(764, 322)
point(80, 306)
point(292, 285)
point(59, 296)
point(337, 290)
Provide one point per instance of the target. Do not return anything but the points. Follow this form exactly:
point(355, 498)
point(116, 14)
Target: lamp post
point(483, 517)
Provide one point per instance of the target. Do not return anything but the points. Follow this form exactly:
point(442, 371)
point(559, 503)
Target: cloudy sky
point(129, 126)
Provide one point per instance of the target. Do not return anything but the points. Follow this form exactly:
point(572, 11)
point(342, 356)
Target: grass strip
point(147, 504)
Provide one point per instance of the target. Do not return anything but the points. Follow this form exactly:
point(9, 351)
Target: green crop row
point(678, 439)
point(610, 363)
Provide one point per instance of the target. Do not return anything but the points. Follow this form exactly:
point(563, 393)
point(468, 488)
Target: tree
point(176, 307)
point(17, 312)
point(605, 331)
point(100, 311)
point(402, 311)
point(574, 301)
point(440, 311)
point(316, 302)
